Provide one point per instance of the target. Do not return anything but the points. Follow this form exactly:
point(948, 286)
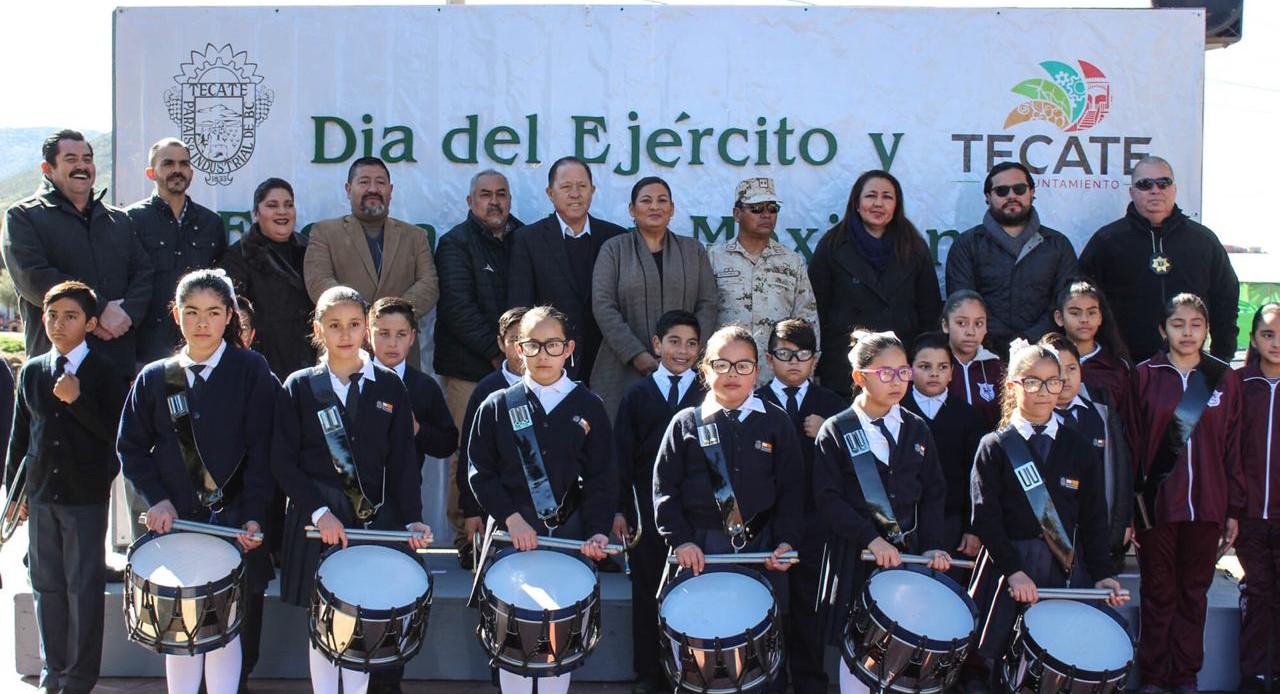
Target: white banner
point(702, 96)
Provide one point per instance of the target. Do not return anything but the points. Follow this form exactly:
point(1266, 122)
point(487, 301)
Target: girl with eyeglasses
point(1039, 505)
point(892, 474)
point(756, 443)
point(575, 447)
point(1185, 419)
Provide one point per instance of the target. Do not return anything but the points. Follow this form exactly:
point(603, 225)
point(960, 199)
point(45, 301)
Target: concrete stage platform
point(453, 651)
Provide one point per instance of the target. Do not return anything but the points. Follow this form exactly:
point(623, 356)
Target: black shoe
point(1252, 685)
point(114, 575)
point(649, 686)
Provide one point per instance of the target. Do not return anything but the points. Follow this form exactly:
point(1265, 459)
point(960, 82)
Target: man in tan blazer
point(369, 251)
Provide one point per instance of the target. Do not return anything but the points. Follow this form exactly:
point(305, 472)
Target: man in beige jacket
point(369, 251)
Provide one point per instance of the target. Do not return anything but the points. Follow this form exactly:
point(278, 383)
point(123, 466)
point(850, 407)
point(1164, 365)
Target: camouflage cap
point(754, 190)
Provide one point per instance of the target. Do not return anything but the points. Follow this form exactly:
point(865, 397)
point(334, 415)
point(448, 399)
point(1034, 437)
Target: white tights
point(849, 683)
point(220, 670)
point(512, 683)
point(324, 676)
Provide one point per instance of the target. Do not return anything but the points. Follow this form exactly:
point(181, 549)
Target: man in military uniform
point(759, 281)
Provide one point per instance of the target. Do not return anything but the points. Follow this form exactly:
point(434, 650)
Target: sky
point(1242, 88)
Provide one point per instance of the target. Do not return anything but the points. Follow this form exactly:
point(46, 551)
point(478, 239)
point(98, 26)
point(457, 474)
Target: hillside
point(20, 153)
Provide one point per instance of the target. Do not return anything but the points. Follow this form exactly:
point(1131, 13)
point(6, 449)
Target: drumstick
point(556, 542)
point(206, 528)
point(370, 535)
point(867, 555)
point(1077, 593)
point(791, 557)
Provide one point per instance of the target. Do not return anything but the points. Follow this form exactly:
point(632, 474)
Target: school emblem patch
point(987, 391)
point(1215, 399)
point(1028, 476)
point(218, 105)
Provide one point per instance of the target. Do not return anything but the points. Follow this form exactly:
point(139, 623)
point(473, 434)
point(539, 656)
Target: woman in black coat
point(871, 270)
point(266, 265)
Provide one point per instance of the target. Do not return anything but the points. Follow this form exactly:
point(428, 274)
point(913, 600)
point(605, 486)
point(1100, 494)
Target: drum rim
point(133, 579)
point(1063, 668)
point(883, 620)
point(530, 614)
point(732, 641)
point(373, 613)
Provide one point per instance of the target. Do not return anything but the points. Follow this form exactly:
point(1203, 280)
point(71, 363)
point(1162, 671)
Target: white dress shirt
point(929, 405)
point(74, 358)
point(568, 230)
point(552, 395)
point(778, 387)
point(663, 378)
point(710, 406)
point(211, 363)
point(1024, 427)
point(875, 439)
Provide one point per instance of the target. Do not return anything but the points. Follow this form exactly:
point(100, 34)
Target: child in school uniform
point(852, 487)
point(393, 332)
point(382, 491)
point(230, 396)
point(792, 356)
point(506, 375)
point(1260, 526)
point(1039, 505)
point(976, 372)
point(956, 428)
point(1099, 425)
point(62, 450)
point(1190, 492)
point(574, 441)
point(244, 309)
point(1086, 319)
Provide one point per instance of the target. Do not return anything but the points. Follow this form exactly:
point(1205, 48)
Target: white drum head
point(1079, 634)
point(373, 577)
point(716, 604)
point(921, 605)
point(540, 580)
point(183, 560)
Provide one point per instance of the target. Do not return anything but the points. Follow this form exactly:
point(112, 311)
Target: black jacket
point(69, 449)
point(643, 417)
point(488, 385)
point(437, 436)
point(47, 241)
point(851, 294)
point(825, 403)
point(956, 431)
point(270, 275)
point(1119, 258)
point(173, 252)
point(1019, 291)
point(471, 264)
point(541, 274)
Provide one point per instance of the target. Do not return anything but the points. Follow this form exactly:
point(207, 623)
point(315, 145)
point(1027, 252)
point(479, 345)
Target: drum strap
point(210, 495)
point(863, 462)
point(1028, 475)
point(335, 437)
point(552, 513)
point(718, 469)
point(1201, 383)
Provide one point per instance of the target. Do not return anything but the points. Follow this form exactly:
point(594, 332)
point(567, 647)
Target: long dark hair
point(215, 282)
point(901, 234)
point(1108, 334)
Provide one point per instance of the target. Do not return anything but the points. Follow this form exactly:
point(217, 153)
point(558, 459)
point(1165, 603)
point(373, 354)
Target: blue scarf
point(875, 250)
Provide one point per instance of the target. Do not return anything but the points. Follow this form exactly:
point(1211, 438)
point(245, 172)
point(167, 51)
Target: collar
point(710, 406)
point(1097, 349)
point(512, 379)
point(568, 231)
point(894, 417)
point(186, 362)
point(563, 385)
point(367, 374)
point(777, 388)
point(940, 398)
point(1024, 427)
point(983, 354)
point(74, 358)
point(399, 369)
point(770, 248)
point(663, 376)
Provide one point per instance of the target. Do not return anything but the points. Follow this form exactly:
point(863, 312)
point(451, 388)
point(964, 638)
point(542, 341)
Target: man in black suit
point(552, 260)
point(63, 450)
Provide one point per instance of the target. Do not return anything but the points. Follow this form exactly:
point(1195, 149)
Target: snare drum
point(539, 612)
point(1069, 647)
point(183, 592)
point(721, 630)
point(369, 607)
point(910, 630)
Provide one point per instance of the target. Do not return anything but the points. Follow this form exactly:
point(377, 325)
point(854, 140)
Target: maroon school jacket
point(1207, 483)
point(979, 384)
point(1260, 443)
point(1105, 371)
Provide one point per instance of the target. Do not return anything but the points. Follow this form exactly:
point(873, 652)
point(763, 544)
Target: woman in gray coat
point(638, 277)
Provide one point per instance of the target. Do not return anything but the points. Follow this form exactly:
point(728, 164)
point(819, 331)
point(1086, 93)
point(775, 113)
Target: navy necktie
point(59, 367)
point(353, 396)
point(1040, 442)
point(793, 405)
point(888, 437)
point(197, 381)
point(673, 393)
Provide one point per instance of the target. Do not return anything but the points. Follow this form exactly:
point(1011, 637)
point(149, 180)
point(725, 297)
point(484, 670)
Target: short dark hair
point(264, 189)
point(671, 319)
point(510, 320)
point(562, 162)
point(1006, 166)
point(49, 150)
point(366, 161)
point(392, 305)
point(930, 340)
point(797, 331)
point(1059, 343)
point(78, 292)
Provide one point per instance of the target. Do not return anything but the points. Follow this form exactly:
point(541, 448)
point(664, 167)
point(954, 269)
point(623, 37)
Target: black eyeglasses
point(1033, 385)
point(553, 348)
point(746, 367)
point(784, 354)
point(1017, 188)
point(1145, 184)
point(761, 208)
point(886, 374)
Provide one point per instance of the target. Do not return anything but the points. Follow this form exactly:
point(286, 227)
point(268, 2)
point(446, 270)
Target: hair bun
point(1017, 345)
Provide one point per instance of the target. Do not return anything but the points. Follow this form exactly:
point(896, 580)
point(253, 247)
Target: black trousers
point(68, 580)
point(648, 560)
point(806, 649)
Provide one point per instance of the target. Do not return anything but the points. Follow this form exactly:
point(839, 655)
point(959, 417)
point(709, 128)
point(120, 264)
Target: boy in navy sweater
point(63, 449)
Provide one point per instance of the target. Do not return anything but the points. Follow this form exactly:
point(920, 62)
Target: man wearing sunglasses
point(760, 282)
point(1011, 259)
point(1155, 252)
